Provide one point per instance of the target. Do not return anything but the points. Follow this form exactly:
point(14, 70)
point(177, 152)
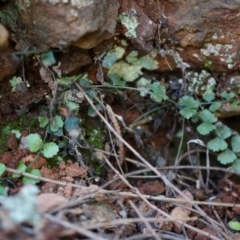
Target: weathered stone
point(3, 37)
point(189, 31)
point(73, 60)
point(8, 63)
point(59, 23)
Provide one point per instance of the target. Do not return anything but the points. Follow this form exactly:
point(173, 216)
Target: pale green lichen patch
point(220, 50)
point(200, 82)
point(75, 3)
point(130, 22)
point(211, 49)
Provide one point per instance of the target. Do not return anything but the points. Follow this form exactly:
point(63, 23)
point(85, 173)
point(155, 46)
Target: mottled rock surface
point(60, 23)
point(192, 30)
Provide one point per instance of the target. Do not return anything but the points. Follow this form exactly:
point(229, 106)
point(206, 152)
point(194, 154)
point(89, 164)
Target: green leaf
point(217, 144)
point(50, 149)
point(188, 112)
point(56, 123)
point(28, 180)
point(17, 133)
point(132, 58)
point(190, 106)
point(72, 106)
point(126, 71)
point(205, 128)
point(236, 165)
point(15, 81)
point(71, 123)
point(109, 60)
point(143, 86)
point(112, 56)
point(116, 80)
point(48, 58)
point(189, 102)
point(235, 142)
point(206, 116)
point(21, 167)
point(2, 169)
point(34, 142)
point(234, 225)
point(6, 130)
point(91, 112)
point(209, 95)
point(235, 103)
point(67, 81)
point(43, 121)
point(228, 96)
point(85, 82)
point(226, 157)
point(148, 62)
point(223, 131)
point(158, 92)
point(208, 63)
point(215, 106)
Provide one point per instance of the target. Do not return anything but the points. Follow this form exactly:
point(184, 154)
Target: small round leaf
point(34, 142)
point(235, 142)
point(226, 157)
point(50, 149)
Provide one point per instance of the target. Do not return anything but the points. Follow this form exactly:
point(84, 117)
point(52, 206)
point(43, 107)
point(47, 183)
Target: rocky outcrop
point(58, 23)
point(189, 31)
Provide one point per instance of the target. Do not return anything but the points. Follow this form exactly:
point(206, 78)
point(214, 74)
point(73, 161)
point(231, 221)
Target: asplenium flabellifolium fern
point(226, 142)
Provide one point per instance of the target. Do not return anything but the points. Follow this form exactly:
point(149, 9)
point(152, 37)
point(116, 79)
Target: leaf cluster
point(227, 150)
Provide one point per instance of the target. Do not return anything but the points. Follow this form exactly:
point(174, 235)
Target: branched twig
point(11, 170)
point(144, 219)
point(163, 177)
point(79, 229)
point(138, 194)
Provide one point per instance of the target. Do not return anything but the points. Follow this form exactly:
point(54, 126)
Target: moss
point(6, 128)
point(94, 135)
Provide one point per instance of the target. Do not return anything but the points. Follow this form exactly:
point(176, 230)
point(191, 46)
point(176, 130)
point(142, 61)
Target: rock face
point(187, 32)
point(58, 23)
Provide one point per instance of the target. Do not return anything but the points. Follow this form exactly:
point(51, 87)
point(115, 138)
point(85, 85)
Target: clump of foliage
point(226, 141)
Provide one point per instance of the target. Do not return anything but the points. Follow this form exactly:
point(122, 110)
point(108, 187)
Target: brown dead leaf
point(181, 212)
point(49, 201)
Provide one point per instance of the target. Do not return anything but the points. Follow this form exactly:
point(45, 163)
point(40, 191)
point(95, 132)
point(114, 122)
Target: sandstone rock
point(58, 23)
point(4, 35)
point(8, 63)
point(187, 31)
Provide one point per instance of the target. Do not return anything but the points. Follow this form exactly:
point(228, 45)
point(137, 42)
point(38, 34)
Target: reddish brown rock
point(8, 63)
point(187, 33)
point(57, 23)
